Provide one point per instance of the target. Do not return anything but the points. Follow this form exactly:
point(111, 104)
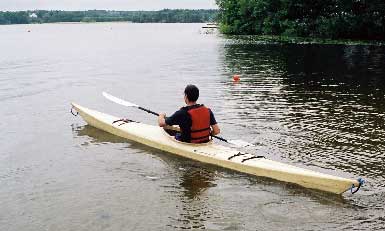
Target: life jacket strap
point(201, 130)
point(201, 138)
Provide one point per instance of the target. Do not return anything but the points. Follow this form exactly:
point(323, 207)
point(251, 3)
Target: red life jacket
point(200, 127)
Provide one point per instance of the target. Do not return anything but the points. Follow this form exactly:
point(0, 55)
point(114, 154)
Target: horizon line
point(109, 9)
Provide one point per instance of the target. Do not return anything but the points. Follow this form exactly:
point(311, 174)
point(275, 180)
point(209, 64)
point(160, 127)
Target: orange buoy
point(236, 78)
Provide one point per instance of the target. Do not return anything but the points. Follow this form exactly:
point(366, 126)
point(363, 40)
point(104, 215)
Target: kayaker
point(196, 121)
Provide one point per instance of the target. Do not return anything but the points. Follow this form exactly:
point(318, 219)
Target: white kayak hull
point(215, 154)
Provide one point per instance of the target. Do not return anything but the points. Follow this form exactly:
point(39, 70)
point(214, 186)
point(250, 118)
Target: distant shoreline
point(114, 22)
point(56, 16)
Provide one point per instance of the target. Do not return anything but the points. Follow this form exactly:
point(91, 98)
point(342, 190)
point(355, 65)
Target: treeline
point(163, 16)
point(334, 19)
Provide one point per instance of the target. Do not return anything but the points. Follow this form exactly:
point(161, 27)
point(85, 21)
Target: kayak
point(216, 154)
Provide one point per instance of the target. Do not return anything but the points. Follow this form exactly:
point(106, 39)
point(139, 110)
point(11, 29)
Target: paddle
point(239, 143)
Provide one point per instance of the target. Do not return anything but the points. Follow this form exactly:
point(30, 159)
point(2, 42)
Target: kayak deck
point(156, 137)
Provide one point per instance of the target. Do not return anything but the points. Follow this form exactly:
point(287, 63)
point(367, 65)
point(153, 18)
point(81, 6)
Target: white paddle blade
point(119, 101)
point(240, 143)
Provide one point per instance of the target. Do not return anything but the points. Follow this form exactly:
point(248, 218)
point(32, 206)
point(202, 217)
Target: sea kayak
point(219, 155)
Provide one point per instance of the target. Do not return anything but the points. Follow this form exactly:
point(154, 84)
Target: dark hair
point(192, 92)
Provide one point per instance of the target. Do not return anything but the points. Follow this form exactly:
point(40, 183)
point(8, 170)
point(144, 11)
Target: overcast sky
point(13, 5)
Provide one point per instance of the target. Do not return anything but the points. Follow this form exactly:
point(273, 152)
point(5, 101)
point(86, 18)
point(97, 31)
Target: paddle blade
point(240, 143)
point(119, 101)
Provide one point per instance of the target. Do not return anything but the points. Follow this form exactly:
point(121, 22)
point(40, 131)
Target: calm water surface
point(321, 107)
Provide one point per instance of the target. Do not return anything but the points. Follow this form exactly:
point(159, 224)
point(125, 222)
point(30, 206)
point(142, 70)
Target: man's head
point(191, 93)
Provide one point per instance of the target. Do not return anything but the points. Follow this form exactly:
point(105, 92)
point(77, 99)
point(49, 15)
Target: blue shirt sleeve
point(175, 119)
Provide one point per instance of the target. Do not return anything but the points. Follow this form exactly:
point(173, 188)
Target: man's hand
point(162, 120)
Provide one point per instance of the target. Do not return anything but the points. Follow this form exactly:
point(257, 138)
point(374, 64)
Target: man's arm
point(215, 130)
point(162, 120)
point(169, 121)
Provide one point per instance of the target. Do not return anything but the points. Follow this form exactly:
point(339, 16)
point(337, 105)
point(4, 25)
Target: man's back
point(182, 118)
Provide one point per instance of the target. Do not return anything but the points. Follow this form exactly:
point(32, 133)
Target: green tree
point(354, 19)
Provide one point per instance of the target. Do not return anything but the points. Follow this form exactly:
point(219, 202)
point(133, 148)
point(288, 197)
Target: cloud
point(13, 5)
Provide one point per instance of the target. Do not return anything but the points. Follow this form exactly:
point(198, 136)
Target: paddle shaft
point(148, 111)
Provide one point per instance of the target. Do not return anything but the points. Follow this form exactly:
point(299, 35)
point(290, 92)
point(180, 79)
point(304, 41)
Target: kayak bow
point(211, 153)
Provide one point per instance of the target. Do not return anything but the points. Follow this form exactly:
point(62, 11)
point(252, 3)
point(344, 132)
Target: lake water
point(321, 107)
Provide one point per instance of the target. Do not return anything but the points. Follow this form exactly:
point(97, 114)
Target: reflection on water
point(98, 136)
point(341, 93)
point(320, 105)
point(194, 179)
point(194, 210)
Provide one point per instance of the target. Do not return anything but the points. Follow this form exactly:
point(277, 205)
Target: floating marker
point(236, 78)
